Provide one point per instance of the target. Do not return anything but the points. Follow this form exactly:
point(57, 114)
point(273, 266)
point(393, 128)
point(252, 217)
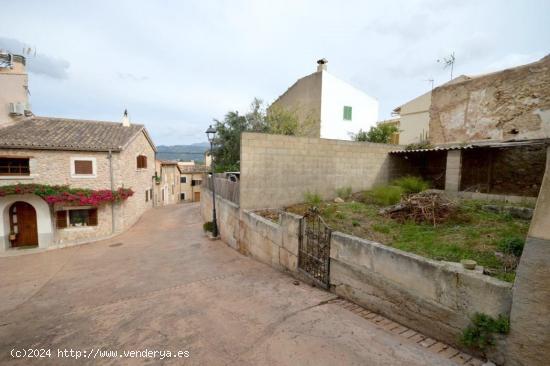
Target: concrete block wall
point(434, 297)
point(277, 170)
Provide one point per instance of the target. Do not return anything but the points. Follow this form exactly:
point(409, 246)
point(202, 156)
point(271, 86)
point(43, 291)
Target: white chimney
point(322, 64)
point(125, 119)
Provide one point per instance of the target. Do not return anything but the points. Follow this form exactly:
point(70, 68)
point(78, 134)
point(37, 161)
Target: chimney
point(322, 64)
point(125, 119)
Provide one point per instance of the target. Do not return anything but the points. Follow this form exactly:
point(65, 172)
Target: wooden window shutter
point(61, 219)
point(141, 161)
point(92, 217)
point(83, 167)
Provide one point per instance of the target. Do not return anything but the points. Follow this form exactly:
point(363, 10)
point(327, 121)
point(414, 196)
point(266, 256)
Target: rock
point(338, 200)
point(524, 213)
point(491, 208)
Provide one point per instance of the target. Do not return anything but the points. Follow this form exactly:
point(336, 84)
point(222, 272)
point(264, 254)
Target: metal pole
point(214, 222)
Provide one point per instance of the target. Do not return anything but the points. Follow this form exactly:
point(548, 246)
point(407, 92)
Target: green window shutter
point(347, 113)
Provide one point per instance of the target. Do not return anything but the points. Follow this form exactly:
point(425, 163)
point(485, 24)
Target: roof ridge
point(81, 120)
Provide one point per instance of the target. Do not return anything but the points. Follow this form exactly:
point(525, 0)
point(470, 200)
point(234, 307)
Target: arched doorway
point(23, 225)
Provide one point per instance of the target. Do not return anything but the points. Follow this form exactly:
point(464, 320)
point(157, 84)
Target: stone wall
point(510, 104)
point(278, 170)
point(434, 297)
point(275, 244)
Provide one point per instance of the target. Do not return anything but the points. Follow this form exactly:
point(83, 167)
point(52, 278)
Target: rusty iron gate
point(314, 248)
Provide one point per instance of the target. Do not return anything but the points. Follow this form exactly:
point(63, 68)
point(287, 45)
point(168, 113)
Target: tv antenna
point(431, 81)
point(448, 62)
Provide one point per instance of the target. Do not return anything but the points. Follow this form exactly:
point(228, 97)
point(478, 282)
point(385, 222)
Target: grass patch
point(411, 184)
point(471, 233)
point(344, 192)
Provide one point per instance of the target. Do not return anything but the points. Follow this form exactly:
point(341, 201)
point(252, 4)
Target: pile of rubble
point(427, 206)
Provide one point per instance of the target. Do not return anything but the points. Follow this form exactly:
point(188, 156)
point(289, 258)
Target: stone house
point(167, 182)
point(330, 107)
point(191, 180)
point(81, 154)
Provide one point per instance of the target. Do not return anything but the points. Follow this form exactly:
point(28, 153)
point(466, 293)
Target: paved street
point(163, 286)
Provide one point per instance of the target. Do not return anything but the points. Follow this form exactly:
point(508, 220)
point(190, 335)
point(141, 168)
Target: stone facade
point(505, 105)
point(278, 170)
point(53, 167)
point(167, 190)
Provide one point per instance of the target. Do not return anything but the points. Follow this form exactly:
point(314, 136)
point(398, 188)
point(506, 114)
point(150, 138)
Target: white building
point(331, 107)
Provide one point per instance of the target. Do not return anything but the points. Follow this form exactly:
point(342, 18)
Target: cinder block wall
point(277, 170)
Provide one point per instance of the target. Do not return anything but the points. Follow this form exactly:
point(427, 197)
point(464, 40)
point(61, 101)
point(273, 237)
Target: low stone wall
point(272, 243)
point(434, 297)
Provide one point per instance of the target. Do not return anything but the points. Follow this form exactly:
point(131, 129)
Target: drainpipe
point(112, 189)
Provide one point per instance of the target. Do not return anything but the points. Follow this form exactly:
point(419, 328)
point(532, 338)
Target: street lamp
point(211, 134)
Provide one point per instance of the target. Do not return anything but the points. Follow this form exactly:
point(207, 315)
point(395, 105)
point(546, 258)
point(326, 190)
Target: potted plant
point(208, 228)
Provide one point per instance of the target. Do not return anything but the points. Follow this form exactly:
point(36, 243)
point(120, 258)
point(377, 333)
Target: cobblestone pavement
point(162, 286)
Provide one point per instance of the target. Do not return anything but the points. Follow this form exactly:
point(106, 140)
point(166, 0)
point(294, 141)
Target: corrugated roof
point(68, 134)
point(480, 144)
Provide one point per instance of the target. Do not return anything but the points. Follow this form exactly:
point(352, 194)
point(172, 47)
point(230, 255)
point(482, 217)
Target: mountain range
point(183, 152)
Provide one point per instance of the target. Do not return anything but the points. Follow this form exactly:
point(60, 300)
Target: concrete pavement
point(163, 285)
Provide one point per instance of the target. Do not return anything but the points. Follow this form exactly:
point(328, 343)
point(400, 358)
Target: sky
point(177, 65)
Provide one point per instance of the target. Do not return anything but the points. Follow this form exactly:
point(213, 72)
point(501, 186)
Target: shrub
point(344, 192)
point(386, 195)
point(411, 184)
point(512, 246)
point(480, 334)
point(208, 226)
point(312, 199)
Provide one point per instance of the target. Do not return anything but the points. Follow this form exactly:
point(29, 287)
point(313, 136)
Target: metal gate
point(314, 248)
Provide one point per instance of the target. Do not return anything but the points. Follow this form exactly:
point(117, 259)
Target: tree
point(380, 133)
point(279, 121)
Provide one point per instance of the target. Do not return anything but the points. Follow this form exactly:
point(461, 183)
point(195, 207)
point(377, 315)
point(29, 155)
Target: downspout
point(112, 189)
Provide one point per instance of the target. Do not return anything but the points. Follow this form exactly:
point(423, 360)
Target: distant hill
point(183, 152)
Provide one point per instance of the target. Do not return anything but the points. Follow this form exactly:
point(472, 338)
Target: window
point(82, 167)
point(183, 179)
point(76, 218)
point(182, 196)
point(347, 113)
point(14, 166)
point(141, 161)
point(196, 182)
point(147, 196)
point(172, 189)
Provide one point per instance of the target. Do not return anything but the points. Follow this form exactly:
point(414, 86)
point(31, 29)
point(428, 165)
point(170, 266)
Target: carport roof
point(478, 144)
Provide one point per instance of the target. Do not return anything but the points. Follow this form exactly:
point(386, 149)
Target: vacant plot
point(493, 239)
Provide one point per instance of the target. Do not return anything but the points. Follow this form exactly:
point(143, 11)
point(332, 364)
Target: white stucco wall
point(335, 95)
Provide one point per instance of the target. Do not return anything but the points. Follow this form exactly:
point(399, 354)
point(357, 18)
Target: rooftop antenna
point(449, 62)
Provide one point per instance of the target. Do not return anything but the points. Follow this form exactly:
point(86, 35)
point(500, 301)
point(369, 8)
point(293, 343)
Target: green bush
point(512, 246)
point(208, 226)
point(411, 184)
point(312, 199)
point(480, 334)
point(344, 192)
point(386, 195)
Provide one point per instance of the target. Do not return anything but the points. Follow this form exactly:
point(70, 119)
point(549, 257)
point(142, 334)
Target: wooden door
point(23, 224)
point(197, 196)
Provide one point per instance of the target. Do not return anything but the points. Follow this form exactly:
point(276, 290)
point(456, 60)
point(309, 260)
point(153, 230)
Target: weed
point(386, 195)
point(480, 334)
point(511, 246)
point(312, 199)
point(411, 184)
point(355, 223)
point(208, 226)
point(344, 192)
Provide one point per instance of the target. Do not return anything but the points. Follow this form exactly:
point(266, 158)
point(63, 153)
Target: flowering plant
point(67, 195)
